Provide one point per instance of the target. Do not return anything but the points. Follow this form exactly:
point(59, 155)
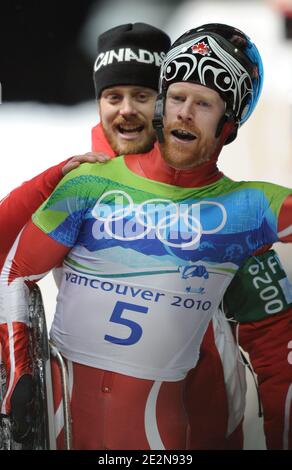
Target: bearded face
point(192, 115)
point(185, 146)
point(126, 115)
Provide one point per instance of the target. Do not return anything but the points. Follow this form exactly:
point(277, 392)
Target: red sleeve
point(17, 208)
point(285, 221)
point(33, 254)
point(267, 343)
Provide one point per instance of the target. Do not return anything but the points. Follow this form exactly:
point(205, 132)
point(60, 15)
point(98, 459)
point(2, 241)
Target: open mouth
point(183, 135)
point(129, 130)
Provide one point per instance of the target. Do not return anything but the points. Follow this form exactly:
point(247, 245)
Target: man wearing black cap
point(126, 75)
point(128, 61)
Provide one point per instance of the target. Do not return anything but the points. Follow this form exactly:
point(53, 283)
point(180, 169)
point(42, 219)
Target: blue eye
point(114, 97)
point(205, 104)
point(142, 97)
point(177, 98)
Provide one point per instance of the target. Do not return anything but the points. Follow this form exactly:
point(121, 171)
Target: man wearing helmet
point(260, 291)
point(129, 239)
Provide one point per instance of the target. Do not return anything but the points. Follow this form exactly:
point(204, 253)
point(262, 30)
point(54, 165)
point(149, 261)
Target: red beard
point(187, 156)
point(140, 145)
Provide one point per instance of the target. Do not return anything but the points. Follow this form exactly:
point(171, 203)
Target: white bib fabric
point(131, 328)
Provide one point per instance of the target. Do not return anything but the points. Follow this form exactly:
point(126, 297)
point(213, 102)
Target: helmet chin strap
point(227, 131)
point(227, 118)
point(157, 120)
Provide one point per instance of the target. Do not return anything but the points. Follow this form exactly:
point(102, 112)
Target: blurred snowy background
point(48, 109)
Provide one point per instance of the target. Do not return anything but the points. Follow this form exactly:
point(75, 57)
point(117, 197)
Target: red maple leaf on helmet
point(201, 48)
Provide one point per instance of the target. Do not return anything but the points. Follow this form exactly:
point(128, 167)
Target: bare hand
point(89, 157)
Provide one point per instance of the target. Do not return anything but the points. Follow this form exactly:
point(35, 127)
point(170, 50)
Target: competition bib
point(132, 329)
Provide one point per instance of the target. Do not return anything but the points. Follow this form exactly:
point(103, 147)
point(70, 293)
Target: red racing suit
point(23, 201)
point(15, 211)
point(59, 251)
point(45, 184)
point(55, 251)
point(260, 300)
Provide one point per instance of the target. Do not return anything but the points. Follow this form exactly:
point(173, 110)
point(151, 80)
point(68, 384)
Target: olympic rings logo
point(163, 218)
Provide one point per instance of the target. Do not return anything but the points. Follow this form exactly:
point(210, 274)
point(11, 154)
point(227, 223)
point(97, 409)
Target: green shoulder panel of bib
point(259, 289)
